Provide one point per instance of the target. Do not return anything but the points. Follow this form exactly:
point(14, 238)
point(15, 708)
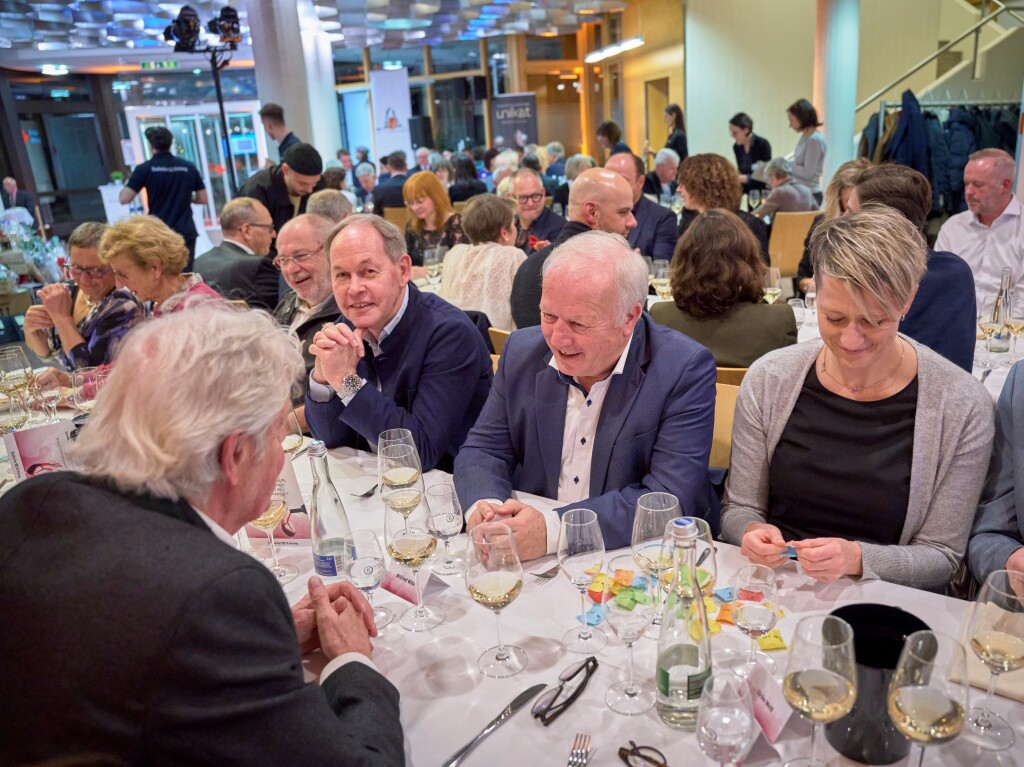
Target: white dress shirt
point(987, 249)
point(243, 246)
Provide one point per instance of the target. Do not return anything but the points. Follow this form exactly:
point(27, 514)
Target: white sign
point(390, 112)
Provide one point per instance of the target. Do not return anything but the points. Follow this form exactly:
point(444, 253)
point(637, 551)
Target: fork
point(367, 494)
point(579, 754)
point(544, 575)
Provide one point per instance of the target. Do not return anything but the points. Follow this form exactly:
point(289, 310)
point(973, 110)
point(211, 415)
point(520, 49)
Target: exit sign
point(159, 65)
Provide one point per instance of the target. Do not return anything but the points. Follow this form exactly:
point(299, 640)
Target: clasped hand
point(336, 618)
point(525, 522)
point(56, 298)
point(824, 559)
point(337, 349)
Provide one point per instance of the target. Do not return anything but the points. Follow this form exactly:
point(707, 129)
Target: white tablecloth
point(446, 700)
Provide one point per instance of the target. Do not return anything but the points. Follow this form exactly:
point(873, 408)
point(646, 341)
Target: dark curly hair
point(717, 264)
point(711, 181)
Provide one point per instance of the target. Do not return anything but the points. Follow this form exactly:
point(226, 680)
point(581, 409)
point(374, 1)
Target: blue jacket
point(434, 374)
point(999, 525)
point(943, 314)
point(654, 433)
point(938, 163)
point(909, 145)
point(962, 141)
point(656, 230)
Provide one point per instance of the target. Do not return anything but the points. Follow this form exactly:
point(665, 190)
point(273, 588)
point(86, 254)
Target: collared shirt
point(319, 392)
point(238, 244)
point(987, 249)
point(303, 311)
point(219, 531)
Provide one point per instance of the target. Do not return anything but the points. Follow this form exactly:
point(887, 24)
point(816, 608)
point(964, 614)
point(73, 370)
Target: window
point(410, 58)
point(459, 56)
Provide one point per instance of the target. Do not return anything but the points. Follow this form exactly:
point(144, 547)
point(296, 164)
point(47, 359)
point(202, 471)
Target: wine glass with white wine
point(772, 285)
point(820, 681)
point(494, 578)
point(411, 540)
point(432, 263)
point(995, 630)
point(663, 282)
point(266, 522)
point(928, 692)
point(653, 512)
point(1014, 323)
point(13, 413)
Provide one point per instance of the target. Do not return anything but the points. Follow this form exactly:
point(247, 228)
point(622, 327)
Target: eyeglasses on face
point(548, 706)
point(642, 756)
point(525, 198)
point(281, 261)
point(93, 272)
point(268, 227)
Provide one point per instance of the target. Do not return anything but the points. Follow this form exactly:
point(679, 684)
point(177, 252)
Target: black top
point(461, 191)
point(619, 147)
point(288, 141)
point(526, 285)
point(760, 151)
point(448, 237)
point(677, 143)
point(754, 224)
point(169, 182)
point(268, 187)
point(805, 269)
point(389, 194)
point(561, 197)
point(842, 468)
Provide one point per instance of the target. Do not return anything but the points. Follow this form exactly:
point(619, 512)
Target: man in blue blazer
point(594, 408)
point(656, 230)
point(398, 358)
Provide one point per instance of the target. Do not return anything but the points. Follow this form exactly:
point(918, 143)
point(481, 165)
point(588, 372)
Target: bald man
point(599, 200)
point(656, 229)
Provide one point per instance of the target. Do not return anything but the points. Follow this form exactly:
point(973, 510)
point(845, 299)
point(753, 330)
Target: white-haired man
point(989, 235)
point(661, 182)
point(165, 644)
point(594, 408)
point(786, 196)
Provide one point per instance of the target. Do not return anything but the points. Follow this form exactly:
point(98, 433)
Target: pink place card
point(770, 708)
point(399, 581)
point(40, 449)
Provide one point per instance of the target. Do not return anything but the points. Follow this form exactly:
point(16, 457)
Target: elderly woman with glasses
point(80, 326)
point(865, 451)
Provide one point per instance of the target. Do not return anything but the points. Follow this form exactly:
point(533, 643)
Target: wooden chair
point(494, 363)
point(498, 338)
point(731, 376)
point(725, 409)
point(548, 201)
point(397, 216)
point(459, 207)
point(786, 245)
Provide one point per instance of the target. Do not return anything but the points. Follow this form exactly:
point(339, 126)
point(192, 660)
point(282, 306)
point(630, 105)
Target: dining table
point(446, 700)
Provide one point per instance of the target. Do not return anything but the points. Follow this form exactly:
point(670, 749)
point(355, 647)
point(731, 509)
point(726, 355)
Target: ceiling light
point(614, 50)
point(391, 65)
point(54, 70)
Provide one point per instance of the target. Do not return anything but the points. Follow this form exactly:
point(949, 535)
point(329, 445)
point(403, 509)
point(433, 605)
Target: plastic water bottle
point(330, 531)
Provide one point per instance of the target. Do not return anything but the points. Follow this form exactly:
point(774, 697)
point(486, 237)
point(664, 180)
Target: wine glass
point(653, 512)
point(446, 513)
point(581, 556)
point(293, 439)
point(50, 394)
point(494, 578)
point(820, 681)
point(17, 375)
point(772, 285)
point(799, 311)
point(13, 414)
point(726, 728)
point(410, 539)
point(928, 692)
point(1014, 323)
point(266, 522)
point(628, 603)
point(706, 562)
point(755, 612)
point(432, 264)
point(995, 629)
point(663, 283)
point(398, 461)
point(366, 572)
point(753, 198)
point(86, 384)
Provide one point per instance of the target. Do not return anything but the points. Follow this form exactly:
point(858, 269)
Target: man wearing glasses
point(538, 224)
point(81, 326)
point(240, 268)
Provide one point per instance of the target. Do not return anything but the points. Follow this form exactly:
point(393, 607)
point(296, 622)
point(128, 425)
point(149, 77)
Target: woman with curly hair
point(717, 285)
point(434, 222)
point(709, 181)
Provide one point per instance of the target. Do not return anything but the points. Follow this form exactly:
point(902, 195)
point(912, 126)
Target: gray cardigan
point(952, 439)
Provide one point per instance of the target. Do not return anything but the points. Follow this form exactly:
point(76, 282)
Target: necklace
point(857, 389)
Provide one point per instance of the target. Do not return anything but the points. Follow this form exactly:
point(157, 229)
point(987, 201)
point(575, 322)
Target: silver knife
point(521, 700)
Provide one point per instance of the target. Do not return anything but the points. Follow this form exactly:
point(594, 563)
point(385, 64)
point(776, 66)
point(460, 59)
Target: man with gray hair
point(240, 268)
point(397, 358)
point(596, 407)
point(173, 647)
point(366, 180)
point(556, 159)
point(661, 182)
point(329, 203)
point(787, 196)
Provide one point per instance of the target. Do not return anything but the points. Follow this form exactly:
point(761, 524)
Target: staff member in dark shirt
point(749, 149)
point(171, 185)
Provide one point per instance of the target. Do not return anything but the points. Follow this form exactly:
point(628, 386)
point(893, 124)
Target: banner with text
point(390, 111)
point(514, 119)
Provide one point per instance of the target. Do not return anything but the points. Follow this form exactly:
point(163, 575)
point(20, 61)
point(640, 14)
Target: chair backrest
point(725, 409)
point(786, 245)
point(498, 338)
point(494, 363)
point(397, 216)
point(459, 207)
point(548, 201)
point(732, 376)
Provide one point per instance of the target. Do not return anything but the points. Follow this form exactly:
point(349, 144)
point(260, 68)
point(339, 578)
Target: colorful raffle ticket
point(40, 449)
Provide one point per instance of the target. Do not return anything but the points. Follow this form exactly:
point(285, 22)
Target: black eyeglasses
point(642, 756)
point(268, 227)
point(548, 706)
point(280, 261)
point(93, 272)
point(525, 198)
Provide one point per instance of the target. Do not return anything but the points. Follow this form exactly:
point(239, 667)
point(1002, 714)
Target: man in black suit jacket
point(12, 197)
point(662, 180)
point(155, 641)
point(388, 194)
point(655, 233)
point(240, 267)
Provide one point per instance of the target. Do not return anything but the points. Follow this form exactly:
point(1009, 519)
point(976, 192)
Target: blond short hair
point(844, 178)
point(145, 241)
point(874, 252)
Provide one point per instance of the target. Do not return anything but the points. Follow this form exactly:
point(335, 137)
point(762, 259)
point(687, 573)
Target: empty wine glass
point(820, 681)
point(366, 572)
point(86, 384)
point(799, 311)
point(410, 539)
point(995, 628)
point(494, 578)
point(726, 728)
point(628, 603)
point(581, 556)
point(446, 513)
point(50, 394)
point(928, 692)
point(266, 522)
point(653, 512)
point(755, 612)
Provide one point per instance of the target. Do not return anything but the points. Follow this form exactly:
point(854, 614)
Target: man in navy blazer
point(596, 407)
point(398, 358)
point(656, 230)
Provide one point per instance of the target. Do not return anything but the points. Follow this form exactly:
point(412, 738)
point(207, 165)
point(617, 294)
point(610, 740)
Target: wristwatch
point(350, 385)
